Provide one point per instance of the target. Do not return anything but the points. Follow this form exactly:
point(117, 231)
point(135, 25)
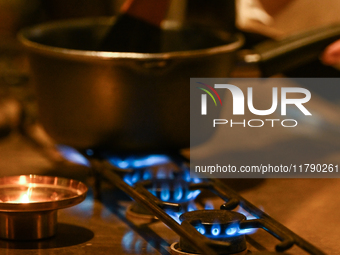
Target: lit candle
point(24, 199)
point(37, 198)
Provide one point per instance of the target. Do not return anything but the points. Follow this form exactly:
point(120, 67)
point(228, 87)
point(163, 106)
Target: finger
point(331, 55)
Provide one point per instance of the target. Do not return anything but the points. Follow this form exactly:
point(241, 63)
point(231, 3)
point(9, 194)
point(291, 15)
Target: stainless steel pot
point(134, 102)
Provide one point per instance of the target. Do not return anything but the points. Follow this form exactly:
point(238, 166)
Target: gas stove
point(173, 198)
point(159, 209)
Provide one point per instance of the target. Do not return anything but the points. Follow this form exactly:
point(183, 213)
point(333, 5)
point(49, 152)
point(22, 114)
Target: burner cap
point(139, 215)
point(221, 226)
point(213, 216)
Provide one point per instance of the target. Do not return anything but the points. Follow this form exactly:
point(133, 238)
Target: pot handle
point(279, 56)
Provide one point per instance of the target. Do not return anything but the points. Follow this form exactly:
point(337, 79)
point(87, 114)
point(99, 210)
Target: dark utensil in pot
point(138, 102)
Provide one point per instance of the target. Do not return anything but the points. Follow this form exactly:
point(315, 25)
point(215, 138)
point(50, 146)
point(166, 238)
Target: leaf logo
point(204, 97)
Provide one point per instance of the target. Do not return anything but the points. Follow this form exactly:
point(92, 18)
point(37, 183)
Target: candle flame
point(24, 199)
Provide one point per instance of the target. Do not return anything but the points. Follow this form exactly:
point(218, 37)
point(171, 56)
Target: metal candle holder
point(29, 204)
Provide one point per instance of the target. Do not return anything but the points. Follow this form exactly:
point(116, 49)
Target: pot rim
point(24, 34)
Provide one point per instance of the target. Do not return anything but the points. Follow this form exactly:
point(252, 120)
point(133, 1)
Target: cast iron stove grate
point(193, 239)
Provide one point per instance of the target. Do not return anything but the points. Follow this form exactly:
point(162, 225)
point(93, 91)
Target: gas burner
point(137, 162)
point(166, 181)
point(139, 215)
point(218, 225)
point(173, 193)
point(215, 232)
point(133, 176)
point(135, 169)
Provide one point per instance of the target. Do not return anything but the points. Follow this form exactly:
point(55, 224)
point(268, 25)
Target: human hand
point(331, 55)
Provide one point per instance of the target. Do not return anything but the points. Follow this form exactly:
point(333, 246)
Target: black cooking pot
point(139, 102)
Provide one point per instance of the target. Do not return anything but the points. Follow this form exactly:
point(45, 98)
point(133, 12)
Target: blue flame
point(247, 231)
point(165, 192)
point(231, 231)
point(178, 193)
point(186, 176)
point(193, 194)
point(245, 213)
point(249, 216)
point(216, 229)
point(153, 192)
point(173, 192)
point(123, 164)
point(143, 174)
point(147, 175)
point(196, 180)
point(175, 215)
point(135, 177)
point(201, 229)
point(72, 155)
point(138, 162)
point(138, 175)
point(127, 179)
point(141, 170)
point(208, 205)
point(192, 207)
